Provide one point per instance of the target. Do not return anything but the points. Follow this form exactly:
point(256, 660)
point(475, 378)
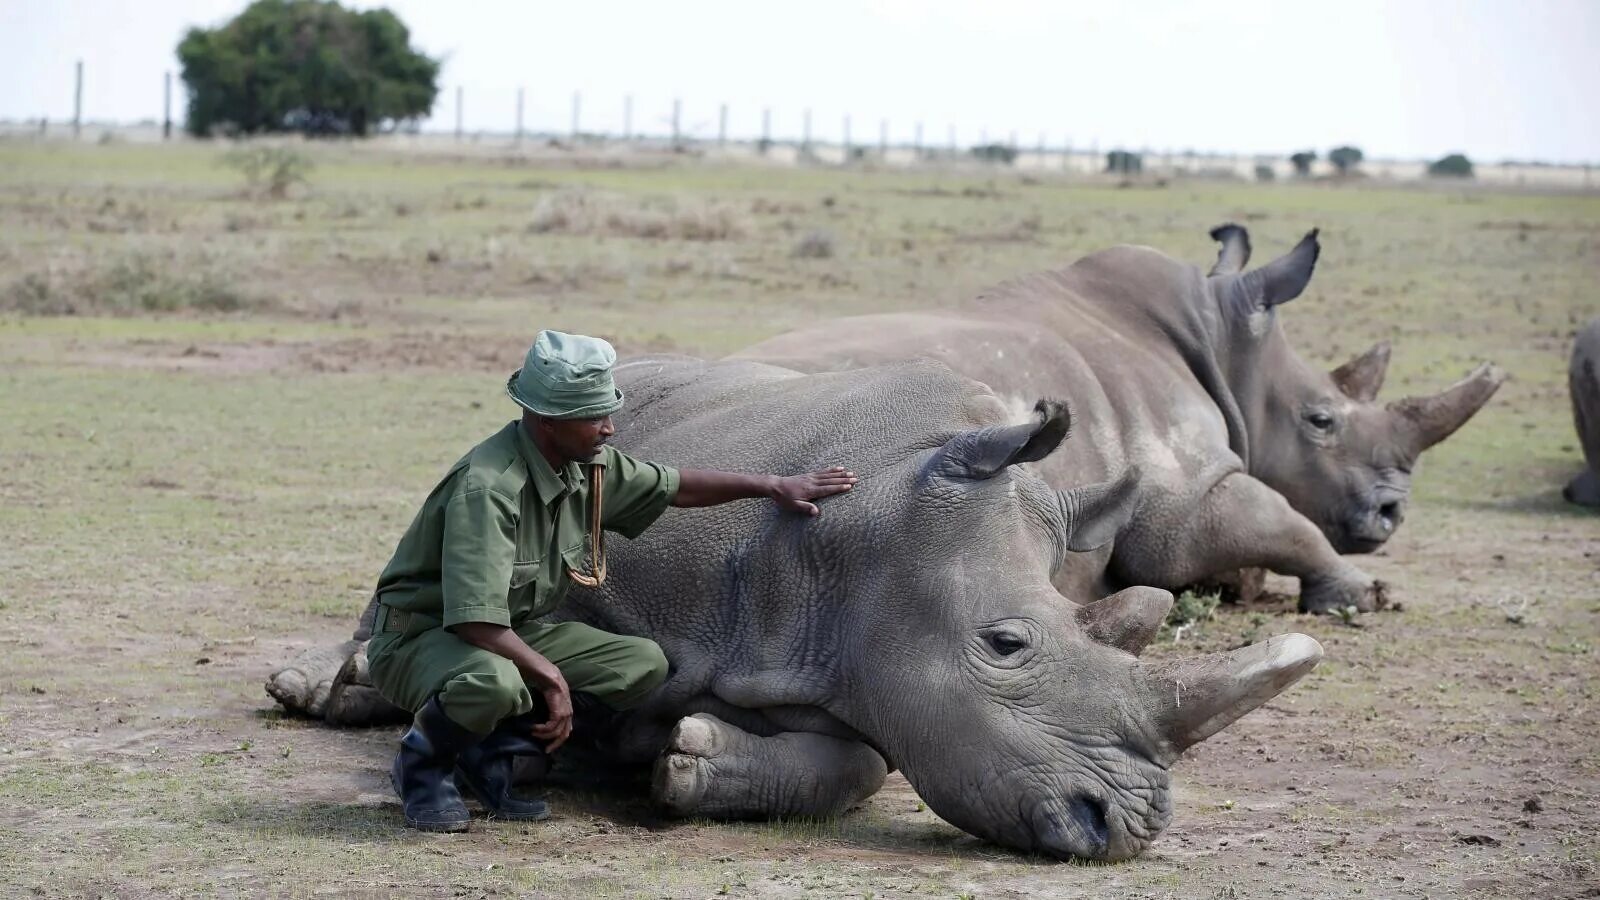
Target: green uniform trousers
point(478, 688)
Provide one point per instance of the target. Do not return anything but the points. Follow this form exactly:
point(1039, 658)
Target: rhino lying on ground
point(1249, 457)
point(1583, 377)
point(913, 625)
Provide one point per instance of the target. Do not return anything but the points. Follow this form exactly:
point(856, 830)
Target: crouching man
point(457, 637)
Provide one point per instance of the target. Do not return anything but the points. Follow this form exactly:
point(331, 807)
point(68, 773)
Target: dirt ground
point(193, 489)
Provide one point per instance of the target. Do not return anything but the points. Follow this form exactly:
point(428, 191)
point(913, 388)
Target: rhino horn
point(1362, 377)
point(1201, 696)
point(1235, 250)
point(1128, 619)
point(985, 452)
point(1096, 513)
point(1437, 417)
point(1281, 280)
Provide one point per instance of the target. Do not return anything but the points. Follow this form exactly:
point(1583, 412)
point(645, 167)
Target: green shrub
point(1302, 162)
point(995, 153)
point(268, 169)
point(1124, 162)
point(1345, 158)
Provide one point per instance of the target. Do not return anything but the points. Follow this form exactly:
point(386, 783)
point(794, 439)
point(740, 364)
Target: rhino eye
point(1320, 420)
point(1005, 643)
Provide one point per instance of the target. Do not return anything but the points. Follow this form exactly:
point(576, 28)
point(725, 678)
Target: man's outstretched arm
point(708, 487)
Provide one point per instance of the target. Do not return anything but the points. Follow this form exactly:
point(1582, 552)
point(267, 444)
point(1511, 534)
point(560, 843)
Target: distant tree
point(310, 66)
point(1124, 162)
point(1264, 172)
point(1455, 165)
point(1345, 158)
point(1302, 162)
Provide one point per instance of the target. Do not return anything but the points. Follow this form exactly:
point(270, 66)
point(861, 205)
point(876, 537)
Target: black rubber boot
point(487, 769)
point(421, 771)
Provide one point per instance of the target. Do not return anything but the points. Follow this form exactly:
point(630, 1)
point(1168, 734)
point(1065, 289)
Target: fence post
point(766, 130)
point(166, 107)
point(952, 141)
point(459, 94)
point(677, 119)
point(1066, 156)
point(519, 117)
point(916, 143)
point(77, 102)
point(577, 110)
point(846, 139)
point(627, 118)
point(883, 139)
point(722, 125)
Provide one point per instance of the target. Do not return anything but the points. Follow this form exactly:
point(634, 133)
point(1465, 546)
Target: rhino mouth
point(1369, 529)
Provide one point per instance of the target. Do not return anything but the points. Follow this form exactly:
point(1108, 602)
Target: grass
point(161, 508)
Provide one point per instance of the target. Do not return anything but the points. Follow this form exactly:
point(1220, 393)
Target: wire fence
point(518, 121)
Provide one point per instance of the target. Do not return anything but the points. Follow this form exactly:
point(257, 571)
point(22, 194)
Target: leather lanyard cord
point(597, 534)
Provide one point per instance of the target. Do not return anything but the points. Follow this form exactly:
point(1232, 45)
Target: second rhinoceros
point(1249, 457)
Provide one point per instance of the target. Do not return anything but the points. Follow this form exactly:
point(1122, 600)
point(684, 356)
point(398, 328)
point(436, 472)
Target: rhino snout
point(1369, 527)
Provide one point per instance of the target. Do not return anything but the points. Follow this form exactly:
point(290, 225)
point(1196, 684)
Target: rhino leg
point(712, 769)
point(1242, 523)
point(354, 702)
point(303, 685)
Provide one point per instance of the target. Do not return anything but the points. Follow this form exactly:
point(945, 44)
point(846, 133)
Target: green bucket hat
point(566, 376)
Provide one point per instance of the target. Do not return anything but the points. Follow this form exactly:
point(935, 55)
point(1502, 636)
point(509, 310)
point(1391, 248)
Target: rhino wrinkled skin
point(1583, 378)
point(1248, 457)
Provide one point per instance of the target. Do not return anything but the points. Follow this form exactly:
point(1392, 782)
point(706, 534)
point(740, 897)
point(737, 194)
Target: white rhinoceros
point(1249, 457)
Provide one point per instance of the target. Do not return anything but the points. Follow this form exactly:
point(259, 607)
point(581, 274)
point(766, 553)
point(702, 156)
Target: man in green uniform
point(457, 637)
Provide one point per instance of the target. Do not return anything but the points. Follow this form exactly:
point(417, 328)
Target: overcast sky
point(1493, 78)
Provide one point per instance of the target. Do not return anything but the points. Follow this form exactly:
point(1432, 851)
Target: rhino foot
point(1583, 490)
point(304, 684)
point(1365, 593)
point(711, 768)
point(683, 773)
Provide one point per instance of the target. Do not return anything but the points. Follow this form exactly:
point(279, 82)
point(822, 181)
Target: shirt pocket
point(524, 573)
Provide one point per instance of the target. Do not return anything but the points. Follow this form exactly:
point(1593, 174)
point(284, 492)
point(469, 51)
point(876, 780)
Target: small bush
point(269, 170)
point(1302, 162)
point(817, 244)
point(1456, 165)
point(594, 213)
point(1264, 172)
point(995, 153)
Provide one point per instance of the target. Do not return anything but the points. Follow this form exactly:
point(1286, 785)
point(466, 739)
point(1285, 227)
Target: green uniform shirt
point(495, 539)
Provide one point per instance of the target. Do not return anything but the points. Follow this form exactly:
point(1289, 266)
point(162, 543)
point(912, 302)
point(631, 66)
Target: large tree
point(305, 65)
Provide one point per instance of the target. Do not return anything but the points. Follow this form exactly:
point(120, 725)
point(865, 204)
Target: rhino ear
point(1278, 281)
point(1096, 513)
point(985, 452)
point(1361, 378)
point(1234, 253)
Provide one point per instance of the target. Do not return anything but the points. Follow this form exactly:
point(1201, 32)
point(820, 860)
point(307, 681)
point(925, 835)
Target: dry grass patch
point(595, 213)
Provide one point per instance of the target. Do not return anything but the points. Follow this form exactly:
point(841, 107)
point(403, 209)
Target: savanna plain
point(219, 410)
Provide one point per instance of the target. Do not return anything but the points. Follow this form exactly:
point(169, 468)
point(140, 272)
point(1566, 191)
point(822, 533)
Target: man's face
point(579, 440)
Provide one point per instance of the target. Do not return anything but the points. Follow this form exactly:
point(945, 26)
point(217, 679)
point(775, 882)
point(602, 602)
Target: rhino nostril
point(1076, 827)
point(1389, 515)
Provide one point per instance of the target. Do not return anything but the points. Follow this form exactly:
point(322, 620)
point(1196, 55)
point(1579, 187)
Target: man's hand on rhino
point(795, 491)
point(708, 487)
